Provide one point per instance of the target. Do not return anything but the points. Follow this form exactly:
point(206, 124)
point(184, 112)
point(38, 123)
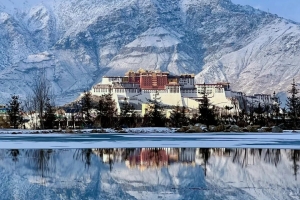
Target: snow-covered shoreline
point(287, 140)
point(124, 130)
point(94, 131)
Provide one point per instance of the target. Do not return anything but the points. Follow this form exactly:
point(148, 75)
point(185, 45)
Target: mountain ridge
point(214, 39)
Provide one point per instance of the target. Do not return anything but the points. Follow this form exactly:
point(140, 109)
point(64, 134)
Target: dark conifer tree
point(86, 102)
point(155, 113)
point(15, 111)
point(178, 117)
point(293, 104)
point(276, 107)
point(175, 117)
point(126, 109)
point(106, 110)
point(127, 114)
point(49, 115)
point(206, 112)
point(260, 110)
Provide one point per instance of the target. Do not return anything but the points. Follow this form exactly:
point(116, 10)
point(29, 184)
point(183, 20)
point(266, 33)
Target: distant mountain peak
point(84, 40)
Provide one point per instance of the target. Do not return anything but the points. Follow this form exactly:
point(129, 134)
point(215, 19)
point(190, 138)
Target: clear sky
point(289, 9)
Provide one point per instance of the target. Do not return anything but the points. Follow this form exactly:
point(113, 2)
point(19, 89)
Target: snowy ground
point(147, 137)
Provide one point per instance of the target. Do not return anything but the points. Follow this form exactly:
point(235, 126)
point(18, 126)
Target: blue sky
point(289, 9)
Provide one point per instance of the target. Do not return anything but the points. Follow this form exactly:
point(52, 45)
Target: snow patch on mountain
point(4, 17)
point(158, 37)
point(44, 56)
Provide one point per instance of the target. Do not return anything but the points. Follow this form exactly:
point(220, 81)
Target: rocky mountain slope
point(77, 42)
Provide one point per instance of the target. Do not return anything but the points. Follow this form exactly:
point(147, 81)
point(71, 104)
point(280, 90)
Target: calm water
point(150, 173)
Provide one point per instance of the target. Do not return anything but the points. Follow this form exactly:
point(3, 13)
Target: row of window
point(154, 91)
point(174, 90)
point(188, 91)
point(171, 90)
point(101, 89)
point(127, 90)
point(209, 86)
point(186, 81)
point(210, 91)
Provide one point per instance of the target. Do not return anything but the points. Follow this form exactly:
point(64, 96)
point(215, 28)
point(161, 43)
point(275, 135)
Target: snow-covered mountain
point(81, 174)
point(78, 41)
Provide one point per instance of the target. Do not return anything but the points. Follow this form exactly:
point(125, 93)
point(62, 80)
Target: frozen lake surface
point(286, 140)
point(150, 173)
point(149, 165)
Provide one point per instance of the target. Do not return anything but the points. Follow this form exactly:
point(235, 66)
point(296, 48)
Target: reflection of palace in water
point(150, 173)
point(143, 158)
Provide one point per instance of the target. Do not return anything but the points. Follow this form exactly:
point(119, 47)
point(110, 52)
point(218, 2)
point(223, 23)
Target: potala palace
point(171, 90)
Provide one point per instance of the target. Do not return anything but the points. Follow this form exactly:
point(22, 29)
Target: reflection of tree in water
point(127, 153)
point(205, 154)
point(110, 153)
point(272, 156)
point(14, 153)
point(295, 157)
point(241, 156)
point(107, 156)
point(83, 155)
point(42, 160)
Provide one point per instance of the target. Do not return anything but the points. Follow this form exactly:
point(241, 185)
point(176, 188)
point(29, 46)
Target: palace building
point(171, 90)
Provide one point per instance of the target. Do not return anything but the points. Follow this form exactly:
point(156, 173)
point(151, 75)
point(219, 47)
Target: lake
point(150, 166)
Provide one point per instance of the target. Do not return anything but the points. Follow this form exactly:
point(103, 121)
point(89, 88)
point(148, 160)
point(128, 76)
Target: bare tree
point(30, 107)
point(41, 95)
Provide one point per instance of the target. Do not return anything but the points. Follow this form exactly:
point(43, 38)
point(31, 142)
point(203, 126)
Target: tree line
point(92, 111)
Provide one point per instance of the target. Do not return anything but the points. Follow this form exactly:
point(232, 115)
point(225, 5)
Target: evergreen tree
point(49, 115)
point(155, 113)
point(206, 112)
point(251, 110)
point(175, 116)
point(14, 111)
point(127, 114)
point(178, 117)
point(276, 107)
point(86, 102)
point(259, 110)
point(106, 110)
point(126, 109)
point(184, 117)
point(228, 115)
point(293, 103)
